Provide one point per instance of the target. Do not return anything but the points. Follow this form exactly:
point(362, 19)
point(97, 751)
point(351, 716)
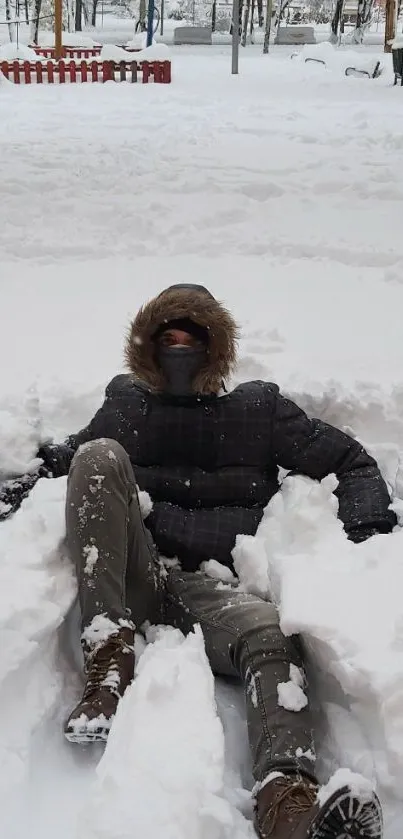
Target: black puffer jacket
point(210, 463)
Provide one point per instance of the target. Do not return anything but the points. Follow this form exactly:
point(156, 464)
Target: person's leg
point(116, 562)
point(243, 637)
point(118, 579)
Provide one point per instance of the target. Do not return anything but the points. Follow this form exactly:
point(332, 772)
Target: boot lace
point(102, 668)
point(296, 798)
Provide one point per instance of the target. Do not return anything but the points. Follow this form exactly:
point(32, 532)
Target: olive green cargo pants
point(120, 575)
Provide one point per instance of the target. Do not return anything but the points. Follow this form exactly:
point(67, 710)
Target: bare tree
point(336, 21)
point(281, 9)
point(78, 17)
point(69, 14)
point(363, 20)
point(9, 19)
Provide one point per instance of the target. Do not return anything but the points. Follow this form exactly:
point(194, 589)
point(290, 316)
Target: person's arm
point(317, 449)
point(57, 457)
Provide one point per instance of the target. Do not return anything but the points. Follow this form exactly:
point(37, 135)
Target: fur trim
point(175, 303)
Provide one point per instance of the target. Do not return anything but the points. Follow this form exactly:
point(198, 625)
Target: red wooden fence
point(76, 52)
point(68, 52)
point(28, 72)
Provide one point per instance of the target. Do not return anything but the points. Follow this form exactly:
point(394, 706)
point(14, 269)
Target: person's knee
point(263, 639)
point(105, 452)
point(100, 464)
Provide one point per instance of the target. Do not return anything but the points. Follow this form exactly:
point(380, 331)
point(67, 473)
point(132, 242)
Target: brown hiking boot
point(110, 669)
point(288, 807)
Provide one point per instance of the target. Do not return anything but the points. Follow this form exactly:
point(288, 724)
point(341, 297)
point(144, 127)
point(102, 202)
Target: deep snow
point(290, 178)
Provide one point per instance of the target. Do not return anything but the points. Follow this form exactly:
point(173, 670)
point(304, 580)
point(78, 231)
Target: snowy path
point(263, 164)
point(291, 179)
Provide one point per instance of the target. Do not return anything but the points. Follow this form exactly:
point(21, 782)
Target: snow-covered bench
point(295, 35)
point(192, 35)
point(348, 62)
point(372, 69)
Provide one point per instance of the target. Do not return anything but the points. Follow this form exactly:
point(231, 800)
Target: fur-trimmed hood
point(183, 301)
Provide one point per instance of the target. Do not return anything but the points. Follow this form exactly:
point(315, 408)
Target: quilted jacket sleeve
point(316, 449)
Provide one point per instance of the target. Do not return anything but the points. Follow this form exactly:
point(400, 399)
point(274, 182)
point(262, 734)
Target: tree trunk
point(94, 13)
point(78, 21)
point(267, 29)
point(69, 7)
point(336, 21)
point(86, 13)
point(245, 23)
point(36, 13)
point(141, 25)
point(260, 13)
point(11, 26)
point(281, 11)
point(364, 15)
point(251, 25)
point(390, 24)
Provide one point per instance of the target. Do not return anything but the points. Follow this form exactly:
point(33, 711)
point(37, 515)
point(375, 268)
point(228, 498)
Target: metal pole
point(235, 38)
point(58, 29)
point(162, 17)
point(150, 22)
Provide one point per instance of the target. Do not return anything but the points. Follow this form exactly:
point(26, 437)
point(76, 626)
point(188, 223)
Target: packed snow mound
point(21, 433)
point(157, 52)
point(301, 546)
point(13, 51)
point(337, 60)
point(37, 589)
point(174, 756)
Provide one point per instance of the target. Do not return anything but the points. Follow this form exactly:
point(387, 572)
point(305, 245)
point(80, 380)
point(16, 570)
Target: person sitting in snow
point(209, 460)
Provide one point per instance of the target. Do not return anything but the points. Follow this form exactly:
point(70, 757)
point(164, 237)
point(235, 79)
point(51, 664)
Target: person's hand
point(56, 459)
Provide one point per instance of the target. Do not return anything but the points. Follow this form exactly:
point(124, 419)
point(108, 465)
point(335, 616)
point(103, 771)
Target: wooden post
point(390, 24)
point(58, 29)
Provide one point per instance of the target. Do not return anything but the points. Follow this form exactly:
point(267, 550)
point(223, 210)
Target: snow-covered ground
point(281, 190)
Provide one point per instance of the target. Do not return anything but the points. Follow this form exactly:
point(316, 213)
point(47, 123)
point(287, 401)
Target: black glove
point(56, 459)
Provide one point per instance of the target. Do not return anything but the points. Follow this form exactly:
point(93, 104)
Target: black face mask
point(180, 365)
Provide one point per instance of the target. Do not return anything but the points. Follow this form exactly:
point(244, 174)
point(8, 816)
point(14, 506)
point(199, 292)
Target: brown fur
point(201, 308)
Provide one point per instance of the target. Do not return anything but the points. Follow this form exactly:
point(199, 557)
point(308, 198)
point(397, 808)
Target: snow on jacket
point(210, 463)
